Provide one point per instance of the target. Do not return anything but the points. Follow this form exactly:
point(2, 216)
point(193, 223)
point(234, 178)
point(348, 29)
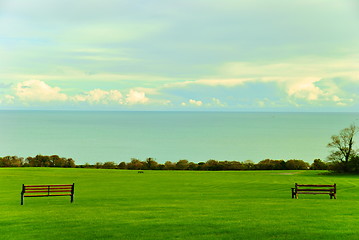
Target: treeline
point(38, 161)
point(212, 165)
point(151, 164)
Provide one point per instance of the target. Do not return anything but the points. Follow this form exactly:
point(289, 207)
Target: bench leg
point(22, 199)
point(72, 192)
point(293, 193)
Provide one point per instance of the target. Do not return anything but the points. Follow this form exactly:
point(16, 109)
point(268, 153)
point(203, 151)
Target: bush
point(109, 165)
point(318, 165)
point(296, 165)
point(269, 164)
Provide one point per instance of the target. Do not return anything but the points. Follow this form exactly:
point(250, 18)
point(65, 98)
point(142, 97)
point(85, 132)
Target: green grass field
point(115, 204)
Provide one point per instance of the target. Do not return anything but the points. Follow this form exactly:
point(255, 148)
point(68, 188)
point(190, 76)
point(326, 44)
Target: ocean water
point(90, 137)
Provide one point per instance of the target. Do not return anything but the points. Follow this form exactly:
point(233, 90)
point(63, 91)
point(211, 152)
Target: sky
point(180, 55)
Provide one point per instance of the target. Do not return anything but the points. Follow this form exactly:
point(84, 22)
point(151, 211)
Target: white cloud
point(195, 102)
point(231, 82)
point(38, 91)
point(337, 99)
point(342, 101)
point(99, 96)
point(192, 102)
point(136, 97)
point(32, 91)
point(266, 102)
point(7, 99)
point(308, 89)
point(341, 104)
point(226, 82)
point(305, 89)
point(217, 102)
point(261, 103)
point(293, 68)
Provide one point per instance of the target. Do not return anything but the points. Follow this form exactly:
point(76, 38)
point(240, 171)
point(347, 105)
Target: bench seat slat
point(45, 188)
point(310, 185)
point(312, 193)
point(47, 191)
point(45, 195)
point(314, 190)
point(51, 185)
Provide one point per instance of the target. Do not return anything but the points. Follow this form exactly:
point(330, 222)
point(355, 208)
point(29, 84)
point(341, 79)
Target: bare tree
point(343, 145)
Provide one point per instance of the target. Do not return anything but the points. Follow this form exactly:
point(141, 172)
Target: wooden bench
point(47, 191)
point(314, 189)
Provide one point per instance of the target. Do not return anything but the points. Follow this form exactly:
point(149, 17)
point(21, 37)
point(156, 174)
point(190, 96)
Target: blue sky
point(229, 55)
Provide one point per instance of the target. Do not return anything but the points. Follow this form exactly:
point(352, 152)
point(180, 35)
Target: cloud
point(136, 97)
point(319, 91)
point(114, 97)
point(217, 102)
point(295, 68)
point(226, 82)
point(38, 91)
point(193, 102)
point(305, 89)
point(313, 80)
point(7, 99)
point(98, 96)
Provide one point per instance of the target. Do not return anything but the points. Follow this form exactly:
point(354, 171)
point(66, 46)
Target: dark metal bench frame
point(47, 191)
point(314, 189)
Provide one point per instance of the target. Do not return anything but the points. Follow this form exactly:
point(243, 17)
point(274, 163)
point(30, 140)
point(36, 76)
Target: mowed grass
point(120, 204)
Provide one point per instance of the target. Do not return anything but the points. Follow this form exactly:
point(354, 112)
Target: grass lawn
point(121, 204)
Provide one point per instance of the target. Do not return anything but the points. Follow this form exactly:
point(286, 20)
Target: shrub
point(296, 165)
point(318, 165)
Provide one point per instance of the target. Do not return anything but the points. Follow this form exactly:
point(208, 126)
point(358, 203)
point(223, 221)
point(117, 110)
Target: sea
point(97, 136)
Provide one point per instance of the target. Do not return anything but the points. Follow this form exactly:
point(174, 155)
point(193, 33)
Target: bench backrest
point(316, 187)
point(47, 190)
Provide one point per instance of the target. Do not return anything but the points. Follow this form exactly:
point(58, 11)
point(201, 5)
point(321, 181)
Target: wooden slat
point(39, 189)
point(42, 188)
point(318, 190)
point(51, 185)
point(46, 191)
point(310, 185)
point(60, 190)
point(51, 195)
point(312, 193)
